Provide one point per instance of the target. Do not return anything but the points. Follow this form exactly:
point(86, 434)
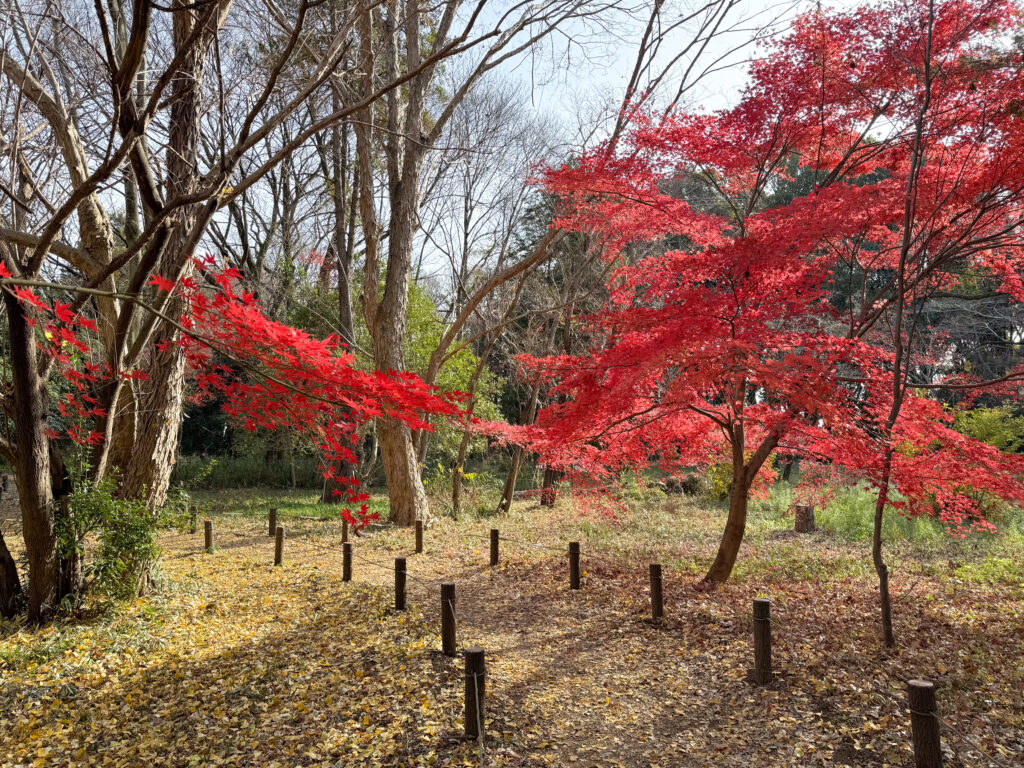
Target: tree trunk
point(789, 468)
point(732, 538)
point(548, 492)
point(509, 491)
point(736, 524)
point(335, 492)
point(10, 584)
point(160, 407)
point(460, 464)
point(159, 429)
point(32, 465)
point(69, 554)
point(876, 554)
point(405, 488)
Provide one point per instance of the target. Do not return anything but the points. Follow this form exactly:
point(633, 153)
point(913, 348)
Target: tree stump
point(804, 518)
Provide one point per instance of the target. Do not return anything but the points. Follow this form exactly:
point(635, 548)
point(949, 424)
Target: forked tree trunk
point(160, 407)
point(732, 537)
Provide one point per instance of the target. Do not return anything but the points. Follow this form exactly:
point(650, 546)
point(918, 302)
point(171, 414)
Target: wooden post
point(419, 536)
point(399, 583)
point(193, 518)
point(279, 545)
point(448, 619)
point(804, 518)
point(346, 561)
point(657, 598)
point(475, 686)
point(344, 531)
point(762, 641)
point(272, 522)
point(494, 546)
point(208, 534)
point(924, 724)
point(574, 565)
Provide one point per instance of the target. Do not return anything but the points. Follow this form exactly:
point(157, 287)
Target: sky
point(560, 86)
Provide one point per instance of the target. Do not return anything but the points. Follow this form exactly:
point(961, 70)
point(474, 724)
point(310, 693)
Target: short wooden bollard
point(804, 518)
point(494, 546)
point(657, 597)
point(924, 724)
point(272, 522)
point(279, 545)
point(475, 686)
point(419, 536)
point(193, 519)
point(208, 534)
point(574, 565)
point(346, 561)
point(448, 619)
point(762, 641)
point(399, 583)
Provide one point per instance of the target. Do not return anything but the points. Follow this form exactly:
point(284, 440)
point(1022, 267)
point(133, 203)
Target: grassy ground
point(235, 662)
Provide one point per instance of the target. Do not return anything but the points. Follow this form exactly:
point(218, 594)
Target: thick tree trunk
point(387, 315)
point(124, 430)
point(159, 428)
point(160, 407)
point(32, 465)
point(405, 489)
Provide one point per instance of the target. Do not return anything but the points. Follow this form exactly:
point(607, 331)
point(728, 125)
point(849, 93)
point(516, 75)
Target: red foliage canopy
point(758, 250)
point(266, 374)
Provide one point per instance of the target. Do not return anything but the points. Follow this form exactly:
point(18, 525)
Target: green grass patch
point(255, 502)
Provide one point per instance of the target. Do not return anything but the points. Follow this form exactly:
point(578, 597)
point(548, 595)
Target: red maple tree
point(774, 260)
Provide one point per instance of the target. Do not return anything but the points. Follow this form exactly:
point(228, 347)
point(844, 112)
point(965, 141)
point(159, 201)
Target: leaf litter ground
point(236, 662)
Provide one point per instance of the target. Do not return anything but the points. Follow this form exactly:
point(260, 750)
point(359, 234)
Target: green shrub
point(850, 513)
point(718, 480)
point(126, 533)
point(995, 426)
point(635, 490)
point(773, 509)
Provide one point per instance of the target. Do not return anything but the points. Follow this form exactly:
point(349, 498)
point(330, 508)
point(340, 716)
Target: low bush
point(224, 472)
point(126, 534)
